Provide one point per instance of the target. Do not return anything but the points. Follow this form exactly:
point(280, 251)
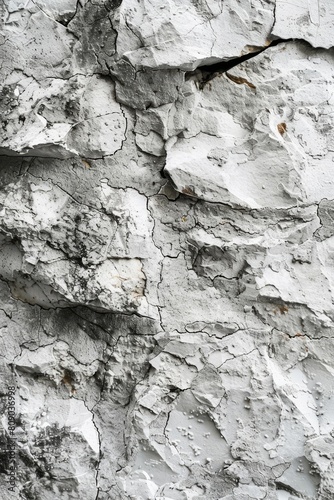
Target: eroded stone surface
point(310, 21)
point(166, 243)
point(151, 33)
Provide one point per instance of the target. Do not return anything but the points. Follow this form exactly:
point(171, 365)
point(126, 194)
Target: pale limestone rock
point(151, 143)
point(310, 21)
point(166, 270)
point(75, 253)
point(268, 144)
point(82, 104)
point(151, 34)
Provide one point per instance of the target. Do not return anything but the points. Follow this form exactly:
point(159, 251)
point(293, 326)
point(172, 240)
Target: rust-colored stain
point(283, 309)
point(68, 381)
point(252, 48)
point(298, 334)
point(189, 191)
point(86, 163)
point(281, 127)
point(240, 81)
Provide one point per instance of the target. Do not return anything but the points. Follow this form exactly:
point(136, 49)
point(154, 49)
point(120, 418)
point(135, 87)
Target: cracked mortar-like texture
point(167, 249)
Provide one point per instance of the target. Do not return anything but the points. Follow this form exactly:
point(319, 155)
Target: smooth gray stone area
point(167, 249)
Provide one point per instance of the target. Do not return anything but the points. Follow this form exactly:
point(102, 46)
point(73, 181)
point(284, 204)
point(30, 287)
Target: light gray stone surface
point(166, 249)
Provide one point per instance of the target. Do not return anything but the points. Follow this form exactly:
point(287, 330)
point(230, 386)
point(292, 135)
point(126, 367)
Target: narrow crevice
point(210, 71)
point(288, 489)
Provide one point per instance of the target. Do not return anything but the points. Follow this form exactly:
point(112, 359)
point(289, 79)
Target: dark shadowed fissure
point(209, 71)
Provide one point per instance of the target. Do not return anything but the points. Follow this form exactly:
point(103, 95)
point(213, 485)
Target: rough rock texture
point(167, 249)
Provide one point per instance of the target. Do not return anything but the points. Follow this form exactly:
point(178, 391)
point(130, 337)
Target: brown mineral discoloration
point(281, 309)
point(188, 191)
point(86, 163)
point(240, 80)
point(68, 380)
point(281, 127)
